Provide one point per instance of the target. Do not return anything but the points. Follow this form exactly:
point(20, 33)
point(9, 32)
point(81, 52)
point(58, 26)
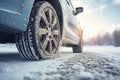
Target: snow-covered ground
point(8, 48)
point(95, 63)
point(107, 51)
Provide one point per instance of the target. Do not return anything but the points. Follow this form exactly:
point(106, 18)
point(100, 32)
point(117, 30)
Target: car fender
point(15, 14)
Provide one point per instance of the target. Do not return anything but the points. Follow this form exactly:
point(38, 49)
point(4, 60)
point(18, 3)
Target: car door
point(71, 35)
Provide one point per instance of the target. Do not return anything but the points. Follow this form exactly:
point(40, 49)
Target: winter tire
point(42, 38)
point(78, 48)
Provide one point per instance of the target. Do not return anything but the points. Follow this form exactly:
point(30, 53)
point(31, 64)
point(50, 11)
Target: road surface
point(95, 63)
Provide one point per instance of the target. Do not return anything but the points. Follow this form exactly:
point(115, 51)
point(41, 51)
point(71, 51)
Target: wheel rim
point(49, 31)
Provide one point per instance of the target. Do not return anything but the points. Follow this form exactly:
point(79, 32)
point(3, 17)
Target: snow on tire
point(42, 38)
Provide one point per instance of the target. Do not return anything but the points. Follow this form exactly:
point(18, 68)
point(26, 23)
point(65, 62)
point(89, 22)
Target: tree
point(106, 39)
point(99, 39)
point(116, 37)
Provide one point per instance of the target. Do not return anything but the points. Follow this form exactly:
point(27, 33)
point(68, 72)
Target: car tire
point(42, 38)
point(78, 48)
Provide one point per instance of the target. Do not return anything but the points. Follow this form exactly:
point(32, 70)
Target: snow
point(65, 49)
point(95, 63)
point(107, 51)
point(25, 69)
point(107, 60)
point(103, 49)
point(83, 76)
point(19, 69)
point(8, 48)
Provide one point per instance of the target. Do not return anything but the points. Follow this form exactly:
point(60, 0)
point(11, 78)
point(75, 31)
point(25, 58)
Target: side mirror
point(78, 10)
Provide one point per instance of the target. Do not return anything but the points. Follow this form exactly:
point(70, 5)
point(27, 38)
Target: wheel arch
point(57, 6)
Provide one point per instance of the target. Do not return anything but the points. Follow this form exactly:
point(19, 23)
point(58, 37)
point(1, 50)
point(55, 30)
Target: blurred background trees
point(116, 37)
point(106, 39)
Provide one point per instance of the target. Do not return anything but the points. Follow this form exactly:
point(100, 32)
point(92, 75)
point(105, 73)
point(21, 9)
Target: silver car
point(40, 27)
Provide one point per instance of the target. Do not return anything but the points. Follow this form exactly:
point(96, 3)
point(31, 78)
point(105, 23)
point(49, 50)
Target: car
point(40, 27)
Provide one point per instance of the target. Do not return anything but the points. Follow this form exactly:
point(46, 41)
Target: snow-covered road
point(95, 63)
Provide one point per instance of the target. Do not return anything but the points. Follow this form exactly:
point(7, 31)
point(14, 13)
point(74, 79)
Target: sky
point(99, 16)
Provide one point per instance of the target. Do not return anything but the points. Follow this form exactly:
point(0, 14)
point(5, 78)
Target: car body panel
point(14, 14)
point(72, 28)
point(14, 17)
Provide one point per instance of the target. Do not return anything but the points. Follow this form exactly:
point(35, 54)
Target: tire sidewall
point(37, 19)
